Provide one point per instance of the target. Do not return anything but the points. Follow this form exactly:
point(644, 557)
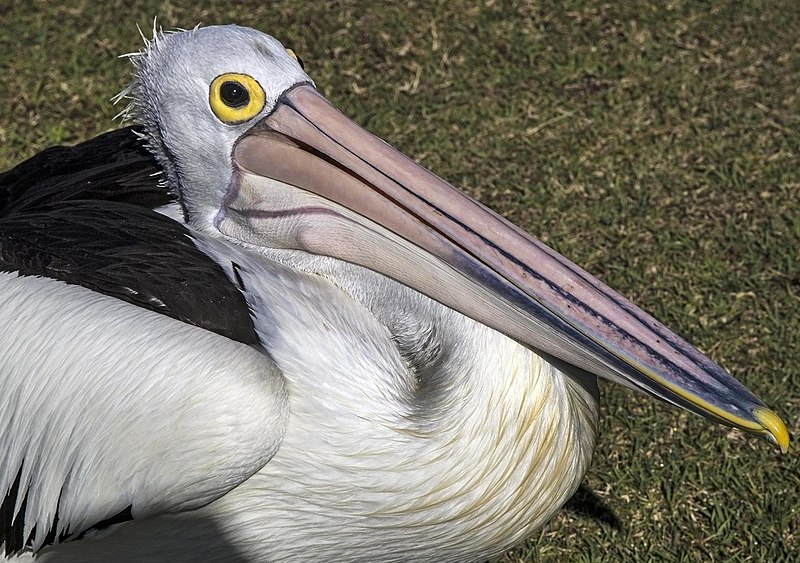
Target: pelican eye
point(236, 98)
point(233, 94)
point(296, 58)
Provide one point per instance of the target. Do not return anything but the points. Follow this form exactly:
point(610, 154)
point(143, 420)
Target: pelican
point(299, 344)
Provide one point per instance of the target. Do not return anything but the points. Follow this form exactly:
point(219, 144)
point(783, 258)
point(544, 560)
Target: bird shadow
point(586, 504)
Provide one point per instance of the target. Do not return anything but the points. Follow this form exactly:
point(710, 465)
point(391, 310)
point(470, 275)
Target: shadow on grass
point(586, 504)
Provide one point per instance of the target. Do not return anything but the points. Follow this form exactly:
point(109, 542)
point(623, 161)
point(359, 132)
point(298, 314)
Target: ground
point(656, 144)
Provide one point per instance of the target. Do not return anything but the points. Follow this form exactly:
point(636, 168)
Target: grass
point(656, 144)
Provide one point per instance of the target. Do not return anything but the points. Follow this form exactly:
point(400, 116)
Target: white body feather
point(372, 461)
point(106, 405)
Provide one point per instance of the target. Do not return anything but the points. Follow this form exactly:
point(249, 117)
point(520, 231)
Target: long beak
point(362, 201)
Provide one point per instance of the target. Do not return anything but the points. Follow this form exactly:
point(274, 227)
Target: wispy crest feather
point(141, 108)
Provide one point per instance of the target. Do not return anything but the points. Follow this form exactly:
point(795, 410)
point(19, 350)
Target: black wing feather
point(111, 167)
point(83, 215)
point(127, 252)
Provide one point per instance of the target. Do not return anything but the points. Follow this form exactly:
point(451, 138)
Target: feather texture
point(95, 420)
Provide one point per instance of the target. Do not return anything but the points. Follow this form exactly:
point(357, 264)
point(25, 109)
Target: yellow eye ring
point(236, 98)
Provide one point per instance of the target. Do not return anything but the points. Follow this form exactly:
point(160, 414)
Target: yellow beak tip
point(773, 424)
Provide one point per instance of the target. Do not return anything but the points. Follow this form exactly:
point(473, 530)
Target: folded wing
point(131, 380)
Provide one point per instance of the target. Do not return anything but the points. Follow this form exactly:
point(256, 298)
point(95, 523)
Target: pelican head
point(257, 154)
point(196, 94)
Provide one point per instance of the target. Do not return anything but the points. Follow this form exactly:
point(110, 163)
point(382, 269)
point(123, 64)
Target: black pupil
point(234, 94)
